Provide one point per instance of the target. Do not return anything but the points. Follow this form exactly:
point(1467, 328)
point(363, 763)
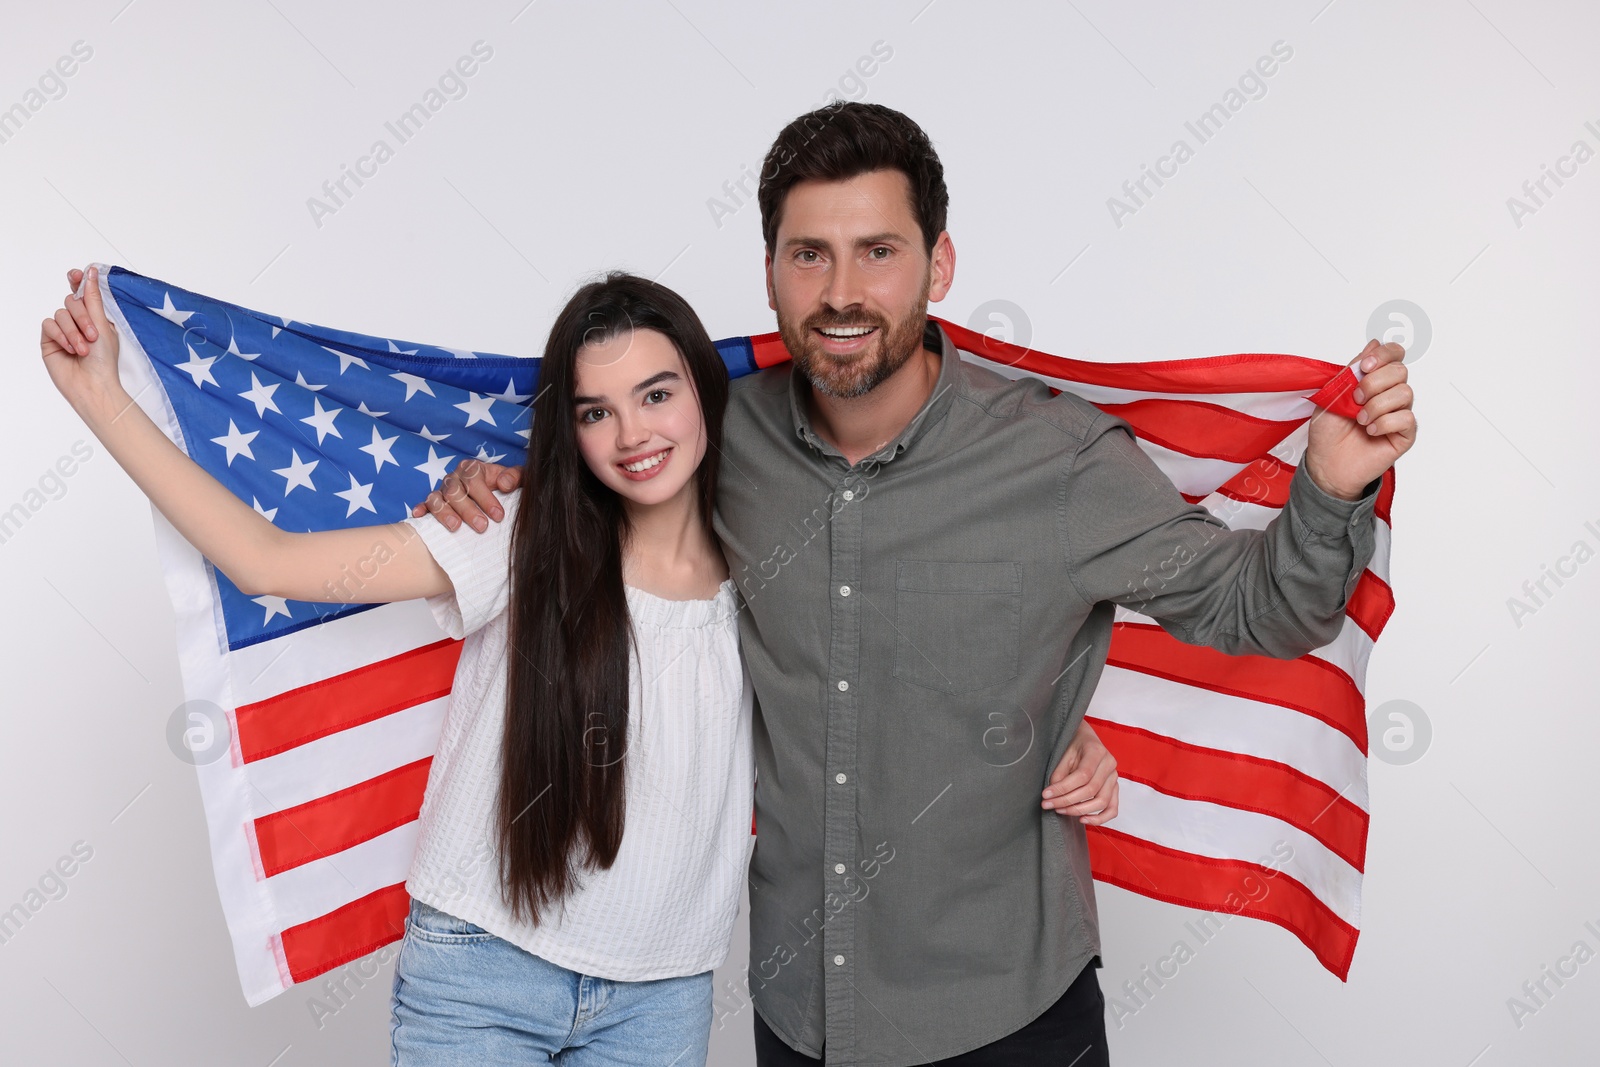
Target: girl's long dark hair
point(561, 801)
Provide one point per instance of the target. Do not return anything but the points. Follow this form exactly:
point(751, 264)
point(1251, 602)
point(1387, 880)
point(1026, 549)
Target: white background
point(1376, 167)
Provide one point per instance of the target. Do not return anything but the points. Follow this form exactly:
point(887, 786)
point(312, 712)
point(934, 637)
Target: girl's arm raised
point(79, 346)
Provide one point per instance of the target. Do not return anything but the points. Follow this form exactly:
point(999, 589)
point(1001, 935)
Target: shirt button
point(839, 778)
point(844, 590)
point(849, 494)
point(838, 961)
point(844, 686)
point(838, 868)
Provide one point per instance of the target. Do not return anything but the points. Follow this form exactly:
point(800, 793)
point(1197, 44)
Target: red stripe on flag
point(1385, 497)
point(1264, 482)
point(1152, 870)
point(348, 933)
point(1312, 686)
point(1245, 372)
point(332, 823)
point(325, 707)
point(1196, 428)
point(1336, 395)
point(1371, 604)
point(768, 350)
point(1236, 780)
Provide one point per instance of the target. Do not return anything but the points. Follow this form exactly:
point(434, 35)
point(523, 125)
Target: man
point(929, 555)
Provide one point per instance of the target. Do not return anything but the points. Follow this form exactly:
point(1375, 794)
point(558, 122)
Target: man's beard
point(855, 375)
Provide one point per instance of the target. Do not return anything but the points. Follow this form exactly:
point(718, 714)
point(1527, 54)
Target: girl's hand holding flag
point(79, 345)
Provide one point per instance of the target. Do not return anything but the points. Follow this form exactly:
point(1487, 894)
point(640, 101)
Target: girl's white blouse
point(667, 906)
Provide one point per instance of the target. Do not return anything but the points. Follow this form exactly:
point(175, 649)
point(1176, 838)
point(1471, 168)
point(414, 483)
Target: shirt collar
point(932, 410)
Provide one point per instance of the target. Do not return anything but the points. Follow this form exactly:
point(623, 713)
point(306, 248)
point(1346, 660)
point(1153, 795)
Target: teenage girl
point(586, 825)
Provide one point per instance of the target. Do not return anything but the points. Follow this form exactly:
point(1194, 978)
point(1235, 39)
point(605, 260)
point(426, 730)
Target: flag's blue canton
point(320, 429)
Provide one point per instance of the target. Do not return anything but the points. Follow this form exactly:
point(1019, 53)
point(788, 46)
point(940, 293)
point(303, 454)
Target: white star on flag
point(435, 467)
point(345, 359)
point(265, 513)
point(483, 454)
point(380, 447)
point(358, 496)
point(323, 420)
point(275, 605)
point(300, 380)
point(297, 473)
point(170, 313)
point(477, 409)
point(237, 444)
point(233, 350)
point(511, 396)
point(362, 407)
point(261, 395)
point(434, 437)
point(197, 368)
point(413, 383)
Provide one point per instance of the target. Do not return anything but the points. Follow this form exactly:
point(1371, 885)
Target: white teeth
point(846, 331)
point(645, 464)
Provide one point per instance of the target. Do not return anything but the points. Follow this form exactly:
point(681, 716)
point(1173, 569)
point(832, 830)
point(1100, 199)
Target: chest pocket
point(958, 624)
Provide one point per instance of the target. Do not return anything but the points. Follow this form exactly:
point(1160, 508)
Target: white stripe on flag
point(1222, 832)
point(316, 888)
point(1231, 724)
point(1192, 475)
point(319, 652)
point(1274, 407)
point(1348, 653)
point(347, 758)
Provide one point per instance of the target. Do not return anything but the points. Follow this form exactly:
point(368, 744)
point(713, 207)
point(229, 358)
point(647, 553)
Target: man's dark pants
point(1071, 1033)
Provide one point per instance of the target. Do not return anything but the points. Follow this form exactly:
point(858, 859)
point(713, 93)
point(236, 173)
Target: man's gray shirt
point(924, 630)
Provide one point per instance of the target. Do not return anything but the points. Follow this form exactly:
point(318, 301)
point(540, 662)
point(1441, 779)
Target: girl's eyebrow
point(654, 379)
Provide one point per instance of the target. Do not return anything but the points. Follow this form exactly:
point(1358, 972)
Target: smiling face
point(850, 279)
point(639, 424)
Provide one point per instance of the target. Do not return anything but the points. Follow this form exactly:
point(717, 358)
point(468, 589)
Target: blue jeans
point(466, 998)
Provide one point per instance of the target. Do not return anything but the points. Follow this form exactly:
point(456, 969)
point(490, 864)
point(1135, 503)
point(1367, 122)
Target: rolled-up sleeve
point(479, 567)
point(1131, 538)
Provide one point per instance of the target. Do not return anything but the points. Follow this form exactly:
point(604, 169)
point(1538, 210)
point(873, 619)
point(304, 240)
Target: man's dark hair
point(845, 139)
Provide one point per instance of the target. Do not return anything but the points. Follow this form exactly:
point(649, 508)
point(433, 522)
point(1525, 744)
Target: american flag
point(323, 717)
point(1244, 778)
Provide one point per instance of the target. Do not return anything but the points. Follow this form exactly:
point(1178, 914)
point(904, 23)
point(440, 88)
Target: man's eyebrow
point(885, 237)
point(654, 379)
